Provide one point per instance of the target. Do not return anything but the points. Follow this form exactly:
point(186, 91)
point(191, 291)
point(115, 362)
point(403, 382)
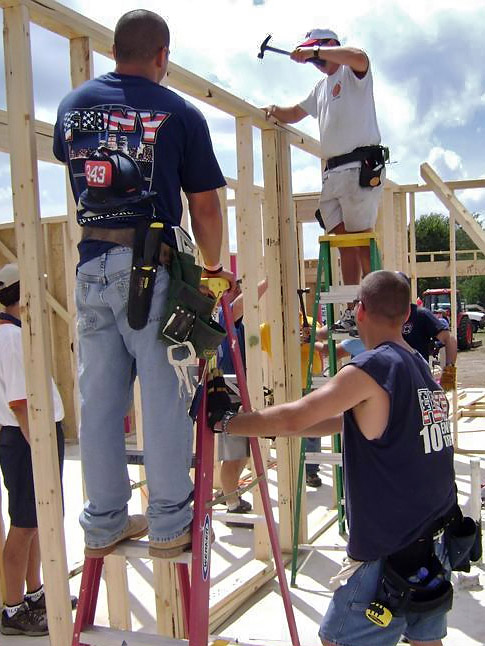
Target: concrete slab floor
point(262, 620)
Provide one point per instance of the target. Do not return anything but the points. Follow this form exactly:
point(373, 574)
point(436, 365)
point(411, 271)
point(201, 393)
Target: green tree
point(432, 234)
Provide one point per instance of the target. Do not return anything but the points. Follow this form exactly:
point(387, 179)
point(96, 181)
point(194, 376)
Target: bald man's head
point(385, 294)
point(139, 36)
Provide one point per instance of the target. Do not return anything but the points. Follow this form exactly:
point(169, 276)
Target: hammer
point(300, 293)
point(265, 47)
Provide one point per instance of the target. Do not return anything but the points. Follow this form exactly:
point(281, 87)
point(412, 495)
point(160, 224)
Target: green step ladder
point(329, 297)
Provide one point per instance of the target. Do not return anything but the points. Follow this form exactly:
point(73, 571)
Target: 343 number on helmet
point(98, 173)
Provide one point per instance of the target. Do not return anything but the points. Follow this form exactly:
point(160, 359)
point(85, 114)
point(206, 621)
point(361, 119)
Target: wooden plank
point(101, 636)
point(454, 185)
point(249, 260)
point(55, 17)
point(463, 217)
point(35, 337)
point(278, 192)
point(44, 133)
point(116, 577)
point(388, 235)
point(412, 248)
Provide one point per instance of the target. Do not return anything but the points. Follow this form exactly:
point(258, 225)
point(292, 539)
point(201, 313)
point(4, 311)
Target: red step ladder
point(195, 592)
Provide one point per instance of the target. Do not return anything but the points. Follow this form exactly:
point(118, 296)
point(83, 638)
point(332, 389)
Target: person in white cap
point(22, 614)
point(343, 103)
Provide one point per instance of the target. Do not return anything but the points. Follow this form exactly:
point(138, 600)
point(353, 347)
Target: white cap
point(314, 35)
point(9, 275)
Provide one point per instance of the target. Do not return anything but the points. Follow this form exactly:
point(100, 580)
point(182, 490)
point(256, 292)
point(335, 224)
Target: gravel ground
point(471, 365)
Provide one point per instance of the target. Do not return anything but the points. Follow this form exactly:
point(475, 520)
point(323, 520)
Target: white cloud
point(439, 156)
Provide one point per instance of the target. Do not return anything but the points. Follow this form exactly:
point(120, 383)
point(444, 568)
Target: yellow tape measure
point(378, 614)
point(216, 285)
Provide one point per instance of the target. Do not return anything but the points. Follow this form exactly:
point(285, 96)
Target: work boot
point(244, 507)
point(313, 480)
point(175, 547)
point(346, 324)
point(24, 622)
point(172, 548)
point(137, 527)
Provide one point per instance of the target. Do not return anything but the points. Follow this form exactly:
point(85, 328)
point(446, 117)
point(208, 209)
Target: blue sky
point(427, 60)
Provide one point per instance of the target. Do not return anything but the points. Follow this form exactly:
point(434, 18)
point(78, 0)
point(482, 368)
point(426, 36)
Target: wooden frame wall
point(273, 248)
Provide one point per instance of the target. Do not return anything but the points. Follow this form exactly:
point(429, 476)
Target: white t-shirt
point(344, 106)
point(12, 376)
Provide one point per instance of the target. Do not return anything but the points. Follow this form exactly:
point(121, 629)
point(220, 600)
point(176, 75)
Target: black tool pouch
point(433, 595)
point(463, 541)
point(371, 169)
point(188, 312)
point(146, 251)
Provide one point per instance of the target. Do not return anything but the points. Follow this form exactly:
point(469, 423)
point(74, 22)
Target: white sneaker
point(346, 324)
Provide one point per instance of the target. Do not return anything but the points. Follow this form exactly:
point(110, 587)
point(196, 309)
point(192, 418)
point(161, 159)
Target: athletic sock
point(36, 595)
point(12, 610)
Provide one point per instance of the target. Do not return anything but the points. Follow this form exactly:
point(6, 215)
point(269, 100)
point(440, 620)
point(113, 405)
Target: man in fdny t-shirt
point(398, 459)
point(131, 146)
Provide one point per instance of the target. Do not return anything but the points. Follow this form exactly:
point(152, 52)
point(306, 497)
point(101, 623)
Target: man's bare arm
point(450, 344)
point(206, 218)
point(319, 413)
point(291, 114)
point(19, 409)
point(355, 58)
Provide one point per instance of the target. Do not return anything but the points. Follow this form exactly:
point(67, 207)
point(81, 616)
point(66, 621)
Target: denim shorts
point(345, 623)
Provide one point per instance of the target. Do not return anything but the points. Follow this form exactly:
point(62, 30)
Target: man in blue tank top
point(131, 146)
point(398, 460)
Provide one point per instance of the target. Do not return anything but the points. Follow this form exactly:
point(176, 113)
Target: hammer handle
point(302, 306)
point(278, 51)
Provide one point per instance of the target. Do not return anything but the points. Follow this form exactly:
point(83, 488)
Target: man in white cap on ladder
point(353, 174)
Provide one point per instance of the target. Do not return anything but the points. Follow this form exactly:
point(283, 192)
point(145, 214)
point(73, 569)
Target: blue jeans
point(110, 355)
point(312, 445)
point(345, 623)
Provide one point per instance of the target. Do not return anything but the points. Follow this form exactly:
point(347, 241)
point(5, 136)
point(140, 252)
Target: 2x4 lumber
point(387, 235)
point(43, 140)
point(56, 17)
point(442, 268)
point(51, 301)
point(291, 349)
point(249, 254)
point(454, 185)
point(412, 247)
point(445, 194)
point(35, 337)
point(116, 578)
point(100, 636)
point(274, 311)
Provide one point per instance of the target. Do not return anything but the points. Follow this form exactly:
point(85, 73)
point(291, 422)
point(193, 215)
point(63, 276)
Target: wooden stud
point(448, 198)
point(249, 257)
point(35, 337)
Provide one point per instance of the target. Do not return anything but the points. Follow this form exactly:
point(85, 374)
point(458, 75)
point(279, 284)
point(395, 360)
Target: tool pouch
point(371, 167)
point(463, 541)
point(146, 251)
point(188, 312)
point(396, 595)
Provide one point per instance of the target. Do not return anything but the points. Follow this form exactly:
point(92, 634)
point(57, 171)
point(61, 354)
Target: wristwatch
point(316, 51)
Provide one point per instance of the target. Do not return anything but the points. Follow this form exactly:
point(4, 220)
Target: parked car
point(477, 318)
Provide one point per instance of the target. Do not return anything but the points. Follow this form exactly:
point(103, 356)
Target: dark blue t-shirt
point(397, 485)
point(166, 135)
point(421, 328)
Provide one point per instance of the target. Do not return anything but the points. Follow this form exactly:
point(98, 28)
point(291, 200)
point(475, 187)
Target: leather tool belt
point(358, 154)
point(124, 237)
